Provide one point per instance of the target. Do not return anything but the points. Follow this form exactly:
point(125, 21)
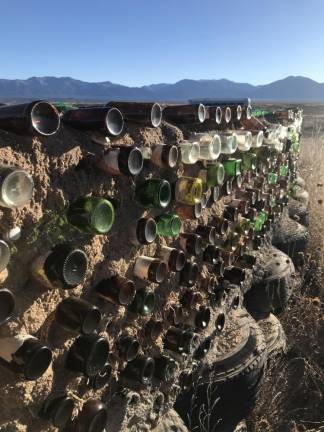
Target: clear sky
point(137, 42)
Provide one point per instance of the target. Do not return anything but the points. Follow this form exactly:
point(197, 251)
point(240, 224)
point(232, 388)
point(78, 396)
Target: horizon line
point(160, 83)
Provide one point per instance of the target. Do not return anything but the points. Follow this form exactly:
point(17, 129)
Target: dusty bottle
point(215, 194)
point(182, 114)
point(127, 161)
point(165, 155)
point(227, 114)
point(143, 113)
point(220, 322)
point(210, 145)
point(189, 211)
point(244, 140)
point(232, 211)
point(229, 142)
point(235, 275)
point(93, 417)
point(38, 117)
point(190, 152)
point(25, 355)
point(211, 254)
point(154, 193)
point(143, 303)
point(62, 267)
point(7, 305)
point(199, 319)
point(104, 120)
point(221, 225)
point(188, 190)
point(175, 259)
point(128, 348)
point(143, 232)
point(272, 178)
point(16, 187)
point(78, 315)
point(4, 255)
point(152, 269)
point(214, 175)
point(168, 225)
point(165, 368)
point(228, 186)
point(249, 162)
point(232, 167)
point(214, 114)
point(203, 349)
point(209, 284)
point(189, 299)
point(246, 195)
point(189, 274)
point(92, 214)
point(117, 289)
point(207, 232)
point(101, 378)
point(257, 138)
point(57, 409)
point(88, 354)
point(237, 181)
point(141, 370)
point(190, 243)
point(219, 266)
point(153, 329)
point(179, 341)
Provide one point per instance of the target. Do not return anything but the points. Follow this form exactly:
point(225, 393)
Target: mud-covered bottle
point(179, 341)
point(117, 289)
point(189, 274)
point(174, 258)
point(78, 315)
point(168, 225)
point(143, 303)
point(88, 354)
point(16, 187)
point(93, 417)
point(165, 368)
point(62, 267)
point(91, 214)
point(25, 355)
point(191, 243)
point(165, 155)
point(215, 174)
point(57, 409)
point(127, 161)
point(140, 370)
point(188, 190)
point(143, 231)
point(155, 193)
point(127, 347)
point(152, 269)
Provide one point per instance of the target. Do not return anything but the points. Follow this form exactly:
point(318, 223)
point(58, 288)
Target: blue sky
point(137, 42)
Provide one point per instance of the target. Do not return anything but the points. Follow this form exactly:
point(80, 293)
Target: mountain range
point(290, 89)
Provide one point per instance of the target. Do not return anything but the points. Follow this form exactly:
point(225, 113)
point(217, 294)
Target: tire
point(274, 279)
point(227, 389)
point(171, 422)
point(290, 237)
point(298, 212)
point(274, 336)
point(300, 194)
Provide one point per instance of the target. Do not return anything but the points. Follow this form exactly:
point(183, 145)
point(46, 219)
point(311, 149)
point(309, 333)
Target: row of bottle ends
point(43, 118)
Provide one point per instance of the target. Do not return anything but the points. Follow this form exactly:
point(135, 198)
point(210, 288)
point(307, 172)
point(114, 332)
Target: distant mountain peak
point(291, 88)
